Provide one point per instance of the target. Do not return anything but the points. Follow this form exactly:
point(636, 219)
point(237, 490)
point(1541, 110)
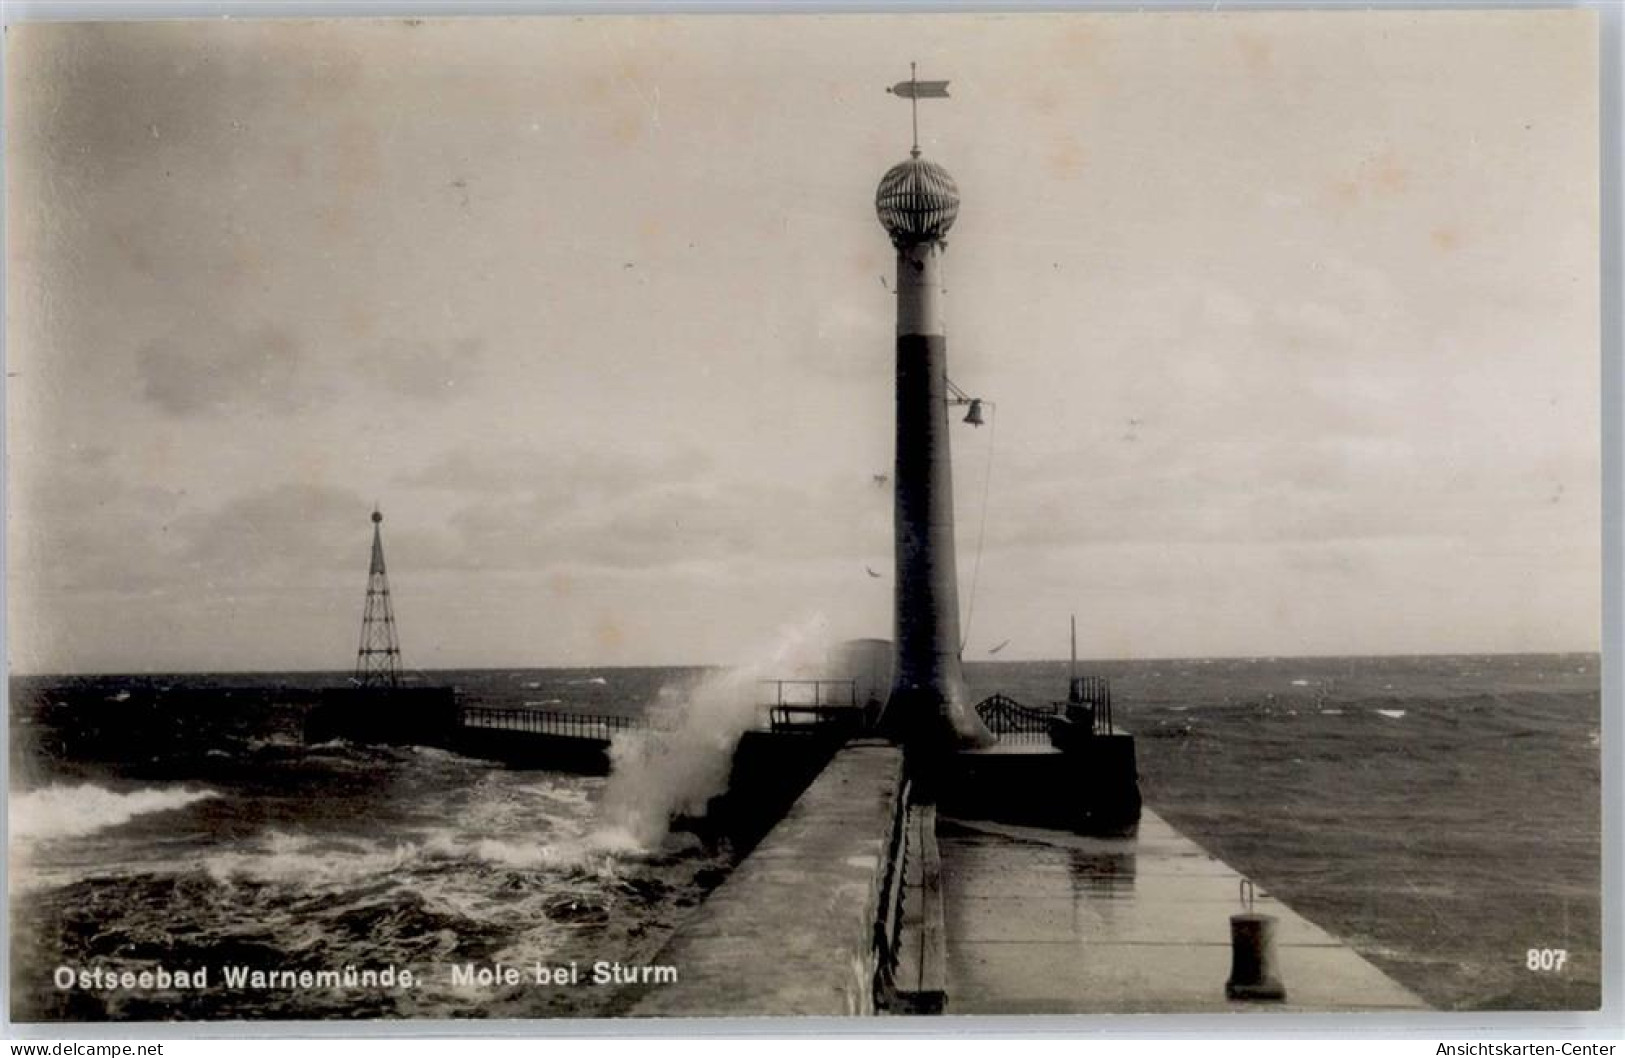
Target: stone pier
point(792, 930)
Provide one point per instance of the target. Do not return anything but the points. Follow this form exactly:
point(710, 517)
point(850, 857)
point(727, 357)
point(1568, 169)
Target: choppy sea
point(1442, 813)
point(207, 834)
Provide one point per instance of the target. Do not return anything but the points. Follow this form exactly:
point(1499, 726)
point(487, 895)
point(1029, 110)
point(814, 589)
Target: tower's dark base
point(1089, 787)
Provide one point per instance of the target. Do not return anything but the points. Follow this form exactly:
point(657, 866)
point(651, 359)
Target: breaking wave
point(677, 766)
point(314, 863)
point(61, 811)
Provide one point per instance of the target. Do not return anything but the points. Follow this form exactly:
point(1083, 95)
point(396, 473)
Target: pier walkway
point(860, 901)
point(1046, 922)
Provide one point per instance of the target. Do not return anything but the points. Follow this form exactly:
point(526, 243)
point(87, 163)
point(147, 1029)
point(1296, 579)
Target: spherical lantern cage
point(917, 202)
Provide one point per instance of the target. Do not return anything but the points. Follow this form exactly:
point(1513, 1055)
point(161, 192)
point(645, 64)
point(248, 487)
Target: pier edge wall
point(792, 930)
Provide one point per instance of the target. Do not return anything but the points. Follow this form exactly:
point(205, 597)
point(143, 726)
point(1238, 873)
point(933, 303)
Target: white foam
point(1392, 714)
point(318, 860)
point(277, 856)
point(435, 753)
point(277, 741)
point(558, 855)
point(59, 811)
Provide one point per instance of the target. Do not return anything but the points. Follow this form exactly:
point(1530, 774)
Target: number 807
point(1546, 960)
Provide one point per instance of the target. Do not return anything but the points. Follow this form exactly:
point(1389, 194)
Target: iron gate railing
point(1009, 719)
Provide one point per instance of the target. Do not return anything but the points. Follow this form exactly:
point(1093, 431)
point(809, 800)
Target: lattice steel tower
point(378, 661)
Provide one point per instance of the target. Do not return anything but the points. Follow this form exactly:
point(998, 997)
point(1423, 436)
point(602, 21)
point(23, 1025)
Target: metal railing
point(794, 707)
point(1012, 721)
point(812, 693)
point(594, 726)
point(889, 910)
point(798, 707)
point(910, 930)
point(813, 719)
point(1093, 693)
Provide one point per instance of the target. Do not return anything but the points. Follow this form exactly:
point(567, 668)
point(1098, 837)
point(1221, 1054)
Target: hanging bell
point(974, 415)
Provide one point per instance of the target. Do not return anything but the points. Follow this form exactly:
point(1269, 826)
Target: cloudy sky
point(1290, 321)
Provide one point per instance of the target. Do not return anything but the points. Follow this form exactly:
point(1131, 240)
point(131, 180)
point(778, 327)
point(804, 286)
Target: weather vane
point(915, 90)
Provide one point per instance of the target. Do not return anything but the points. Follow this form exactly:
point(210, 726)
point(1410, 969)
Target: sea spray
point(683, 759)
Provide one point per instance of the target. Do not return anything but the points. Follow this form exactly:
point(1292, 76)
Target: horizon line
point(1596, 653)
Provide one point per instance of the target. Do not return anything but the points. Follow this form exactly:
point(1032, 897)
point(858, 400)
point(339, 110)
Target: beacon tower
point(929, 706)
point(378, 659)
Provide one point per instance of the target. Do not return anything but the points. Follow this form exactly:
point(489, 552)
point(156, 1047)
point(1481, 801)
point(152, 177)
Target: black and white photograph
point(627, 516)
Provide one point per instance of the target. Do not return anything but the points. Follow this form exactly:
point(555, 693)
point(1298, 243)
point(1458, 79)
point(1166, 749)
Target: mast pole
point(914, 109)
point(1072, 680)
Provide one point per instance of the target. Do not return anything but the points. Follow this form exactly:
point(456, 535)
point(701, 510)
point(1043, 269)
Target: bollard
point(1253, 973)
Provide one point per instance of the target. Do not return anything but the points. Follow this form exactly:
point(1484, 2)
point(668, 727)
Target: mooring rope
point(981, 529)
